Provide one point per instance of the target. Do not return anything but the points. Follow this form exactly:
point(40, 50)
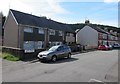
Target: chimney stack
point(87, 22)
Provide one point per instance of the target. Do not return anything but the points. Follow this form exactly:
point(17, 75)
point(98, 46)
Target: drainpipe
point(107, 40)
point(75, 38)
point(46, 38)
point(18, 43)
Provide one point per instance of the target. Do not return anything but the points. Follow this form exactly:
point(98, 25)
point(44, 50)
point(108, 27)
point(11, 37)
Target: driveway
point(80, 68)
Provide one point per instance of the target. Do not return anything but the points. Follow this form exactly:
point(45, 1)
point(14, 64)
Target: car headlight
point(44, 56)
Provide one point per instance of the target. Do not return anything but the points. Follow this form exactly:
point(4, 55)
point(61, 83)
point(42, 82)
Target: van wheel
point(54, 59)
point(69, 55)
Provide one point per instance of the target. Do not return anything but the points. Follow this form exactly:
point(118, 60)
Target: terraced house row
point(29, 33)
point(91, 36)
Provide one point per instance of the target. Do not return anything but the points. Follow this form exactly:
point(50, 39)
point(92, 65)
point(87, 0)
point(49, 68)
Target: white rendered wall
point(87, 36)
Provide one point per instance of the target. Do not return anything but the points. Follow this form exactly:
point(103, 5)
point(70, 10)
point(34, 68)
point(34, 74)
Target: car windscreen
point(53, 48)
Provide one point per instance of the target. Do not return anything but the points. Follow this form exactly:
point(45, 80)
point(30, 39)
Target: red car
point(103, 47)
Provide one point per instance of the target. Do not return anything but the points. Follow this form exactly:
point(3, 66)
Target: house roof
point(94, 27)
point(32, 20)
point(97, 28)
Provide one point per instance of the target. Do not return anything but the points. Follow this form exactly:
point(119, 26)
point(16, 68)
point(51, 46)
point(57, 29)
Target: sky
point(67, 11)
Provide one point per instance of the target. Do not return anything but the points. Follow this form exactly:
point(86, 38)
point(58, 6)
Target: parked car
point(116, 46)
point(103, 47)
point(110, 47)
point(55, 52)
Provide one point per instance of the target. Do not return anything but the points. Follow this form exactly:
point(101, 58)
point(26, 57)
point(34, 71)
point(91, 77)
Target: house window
point(100, 35)
point(51, 32)
point(41, 31)
point(68, 34)
point(28, 46)
point(58, 43)
point(109, 37)
point(71, 34)
point(39, 45)
point(116, 38)
point(104, 36)
point(60, 33)
point(54, 43)
point(28, 29)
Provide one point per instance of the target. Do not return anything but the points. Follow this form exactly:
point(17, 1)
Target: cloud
point(56, 6)
point(36, 7)
point(13, 4)
point(49, 8)
point(110, 1)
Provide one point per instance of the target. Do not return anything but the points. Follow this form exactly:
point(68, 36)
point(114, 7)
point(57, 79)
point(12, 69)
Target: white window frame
point(68, 34)
point(41, 31)
point(28, 46)
point(51, 32)
point(60, 43)
point(55, 43)
point(104, 36)
point(39, 45)
point(71, 34)
point(60, 33)
point(28, 29)
point(116, 38)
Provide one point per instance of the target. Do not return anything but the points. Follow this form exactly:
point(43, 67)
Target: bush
point(9, 57)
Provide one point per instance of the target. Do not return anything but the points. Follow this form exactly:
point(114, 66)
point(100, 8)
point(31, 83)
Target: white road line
point(94, 80)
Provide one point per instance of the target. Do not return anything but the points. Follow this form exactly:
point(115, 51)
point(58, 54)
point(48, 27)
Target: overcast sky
point(67, 11)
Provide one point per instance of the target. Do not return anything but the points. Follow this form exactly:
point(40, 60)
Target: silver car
point(55, 52)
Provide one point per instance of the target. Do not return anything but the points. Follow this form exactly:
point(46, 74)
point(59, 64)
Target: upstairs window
point(104, 36)
point(60, 33)
point(71, 34)
point(28, 29)
point(51, 32)
point(41, 31)
point(116, 38)
point(68, 34)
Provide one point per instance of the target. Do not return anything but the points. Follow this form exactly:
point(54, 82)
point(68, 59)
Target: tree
point(3, 20)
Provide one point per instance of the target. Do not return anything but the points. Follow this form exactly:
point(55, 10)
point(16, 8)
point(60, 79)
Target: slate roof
point(32, 20)
point(97, 28)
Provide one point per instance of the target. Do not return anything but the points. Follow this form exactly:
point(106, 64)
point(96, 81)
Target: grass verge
point(9, 57)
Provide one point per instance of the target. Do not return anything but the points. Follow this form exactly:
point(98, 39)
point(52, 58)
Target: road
point(81, 67)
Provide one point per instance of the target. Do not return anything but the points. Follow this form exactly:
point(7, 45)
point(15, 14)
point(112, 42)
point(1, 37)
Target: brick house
point(113, 37)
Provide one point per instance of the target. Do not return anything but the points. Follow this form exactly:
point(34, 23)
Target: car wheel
point(54, 58)
point(69, 55)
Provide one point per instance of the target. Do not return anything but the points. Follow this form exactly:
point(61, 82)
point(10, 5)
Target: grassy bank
point(9, 57)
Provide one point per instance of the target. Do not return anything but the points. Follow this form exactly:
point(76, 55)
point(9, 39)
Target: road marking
point(94, 80)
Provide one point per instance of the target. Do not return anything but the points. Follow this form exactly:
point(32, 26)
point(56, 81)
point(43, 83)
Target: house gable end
point(87, 28)
point(10, 32)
